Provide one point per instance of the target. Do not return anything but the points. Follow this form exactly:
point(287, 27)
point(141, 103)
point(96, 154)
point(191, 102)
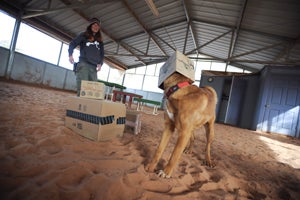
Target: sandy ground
point(42, 159)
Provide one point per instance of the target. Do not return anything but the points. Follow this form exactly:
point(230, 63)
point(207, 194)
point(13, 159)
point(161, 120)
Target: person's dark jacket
point(91, 52)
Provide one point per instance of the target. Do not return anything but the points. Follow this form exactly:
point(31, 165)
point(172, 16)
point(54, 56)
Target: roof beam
point(114, 63)
point(154, 29)
point(241, 29)
point(78, 11)
point(128, 48)
point(141, 55)
point(143, 26)
point(186, 38)
point(164, 42)
point(190, 27)
point(222, 35)
point(212, 58)
point(51, 28)
point(60, 9)
point(285, 53)
point(194, 20)
point(270, 62)
point(263, 62)
point(256, 50)
point(236, 32)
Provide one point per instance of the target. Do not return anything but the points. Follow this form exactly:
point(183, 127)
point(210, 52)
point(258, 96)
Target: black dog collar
point(176, 87)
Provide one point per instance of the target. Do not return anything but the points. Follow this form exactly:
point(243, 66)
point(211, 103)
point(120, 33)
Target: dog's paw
point(162, 174)
point(188, 151)
point(209, 164)
point(149, 168)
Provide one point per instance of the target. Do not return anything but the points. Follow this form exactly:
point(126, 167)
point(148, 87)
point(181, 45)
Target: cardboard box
point(92, 90)
point(98, 120)
point(133, 119)
point(180, 63)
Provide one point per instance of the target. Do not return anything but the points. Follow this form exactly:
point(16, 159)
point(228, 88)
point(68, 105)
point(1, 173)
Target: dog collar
point(176, 87)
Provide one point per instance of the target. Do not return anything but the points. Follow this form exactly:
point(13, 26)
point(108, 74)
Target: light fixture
point(152, 7)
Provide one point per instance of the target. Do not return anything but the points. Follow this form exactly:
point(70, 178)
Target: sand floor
point(42, 159)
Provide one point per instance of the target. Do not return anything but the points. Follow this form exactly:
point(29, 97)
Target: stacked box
point(98, 120)
point(180, 63)
point(133, 119)
point(92, 90)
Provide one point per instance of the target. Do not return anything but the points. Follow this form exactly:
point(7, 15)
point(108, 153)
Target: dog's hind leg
point(209, 127)
point(169, 128)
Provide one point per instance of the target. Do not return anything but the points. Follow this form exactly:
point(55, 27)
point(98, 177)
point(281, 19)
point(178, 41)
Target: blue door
point(281, 113)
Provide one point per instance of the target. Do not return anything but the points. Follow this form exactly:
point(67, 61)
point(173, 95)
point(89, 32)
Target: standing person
point(91, 53)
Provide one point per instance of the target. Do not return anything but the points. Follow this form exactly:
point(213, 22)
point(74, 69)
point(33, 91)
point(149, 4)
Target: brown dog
point(188, 107)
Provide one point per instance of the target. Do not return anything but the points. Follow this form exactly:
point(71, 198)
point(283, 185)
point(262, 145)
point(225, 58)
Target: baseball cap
point(94, 20)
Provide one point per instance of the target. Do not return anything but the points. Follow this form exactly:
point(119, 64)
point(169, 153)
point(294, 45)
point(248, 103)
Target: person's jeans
point(87, 72)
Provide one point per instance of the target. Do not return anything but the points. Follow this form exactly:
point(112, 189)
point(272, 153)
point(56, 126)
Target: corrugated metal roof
point(243, 33)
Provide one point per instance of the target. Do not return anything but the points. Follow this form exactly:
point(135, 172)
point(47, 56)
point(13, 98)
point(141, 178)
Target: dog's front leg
point(189, 148)
point(183, 139)
point(169, 128)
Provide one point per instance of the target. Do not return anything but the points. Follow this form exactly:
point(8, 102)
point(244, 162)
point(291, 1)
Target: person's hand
point(98, 68)
point(71, 59)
